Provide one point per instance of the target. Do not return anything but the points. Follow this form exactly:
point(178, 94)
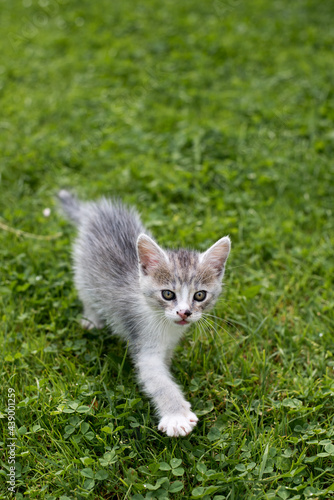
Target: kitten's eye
point(168, 295)
point(200, 296)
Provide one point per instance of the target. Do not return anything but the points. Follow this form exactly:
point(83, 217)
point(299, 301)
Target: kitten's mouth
point(182, 322)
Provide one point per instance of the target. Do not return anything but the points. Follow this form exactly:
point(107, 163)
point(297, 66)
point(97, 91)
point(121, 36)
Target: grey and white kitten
point(147, 295)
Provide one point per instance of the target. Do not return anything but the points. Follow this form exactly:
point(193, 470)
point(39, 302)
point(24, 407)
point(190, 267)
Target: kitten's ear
point(216, 256)
point(150, 255)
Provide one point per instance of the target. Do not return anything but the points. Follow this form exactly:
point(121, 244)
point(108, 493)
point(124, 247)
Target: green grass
point(213, 118)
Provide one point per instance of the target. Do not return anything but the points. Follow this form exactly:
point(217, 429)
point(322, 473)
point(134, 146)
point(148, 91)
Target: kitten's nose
point(184, 313)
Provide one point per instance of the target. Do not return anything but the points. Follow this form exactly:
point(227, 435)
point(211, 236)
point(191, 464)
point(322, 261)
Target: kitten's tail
point(70, 205)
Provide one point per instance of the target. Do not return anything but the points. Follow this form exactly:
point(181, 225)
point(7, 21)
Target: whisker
point(202, 329)
point(209, 323)
point(228, 322)
point(209, 326)
point(235, 267)
point(219, 318)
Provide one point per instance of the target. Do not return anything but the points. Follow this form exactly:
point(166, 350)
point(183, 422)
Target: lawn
point(213, 118)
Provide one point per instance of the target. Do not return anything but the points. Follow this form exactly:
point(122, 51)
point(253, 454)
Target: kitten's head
point(182, 283)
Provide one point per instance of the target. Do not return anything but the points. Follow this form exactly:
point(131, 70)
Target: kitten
point(147, 295)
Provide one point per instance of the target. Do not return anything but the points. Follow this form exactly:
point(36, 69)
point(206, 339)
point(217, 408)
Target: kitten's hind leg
point(91, 319)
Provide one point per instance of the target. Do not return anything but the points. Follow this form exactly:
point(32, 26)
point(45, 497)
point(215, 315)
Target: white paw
point(88, 325)
point(178, 424)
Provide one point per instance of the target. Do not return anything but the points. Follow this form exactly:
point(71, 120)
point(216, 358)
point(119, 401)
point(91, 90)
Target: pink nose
point(184, 314)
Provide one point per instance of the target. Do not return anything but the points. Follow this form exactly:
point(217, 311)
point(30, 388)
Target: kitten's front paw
point(178, 424)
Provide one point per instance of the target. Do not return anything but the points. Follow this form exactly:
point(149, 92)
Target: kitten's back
point(106, 243)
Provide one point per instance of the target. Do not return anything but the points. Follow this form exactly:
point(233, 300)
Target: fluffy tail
point(71, 206)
